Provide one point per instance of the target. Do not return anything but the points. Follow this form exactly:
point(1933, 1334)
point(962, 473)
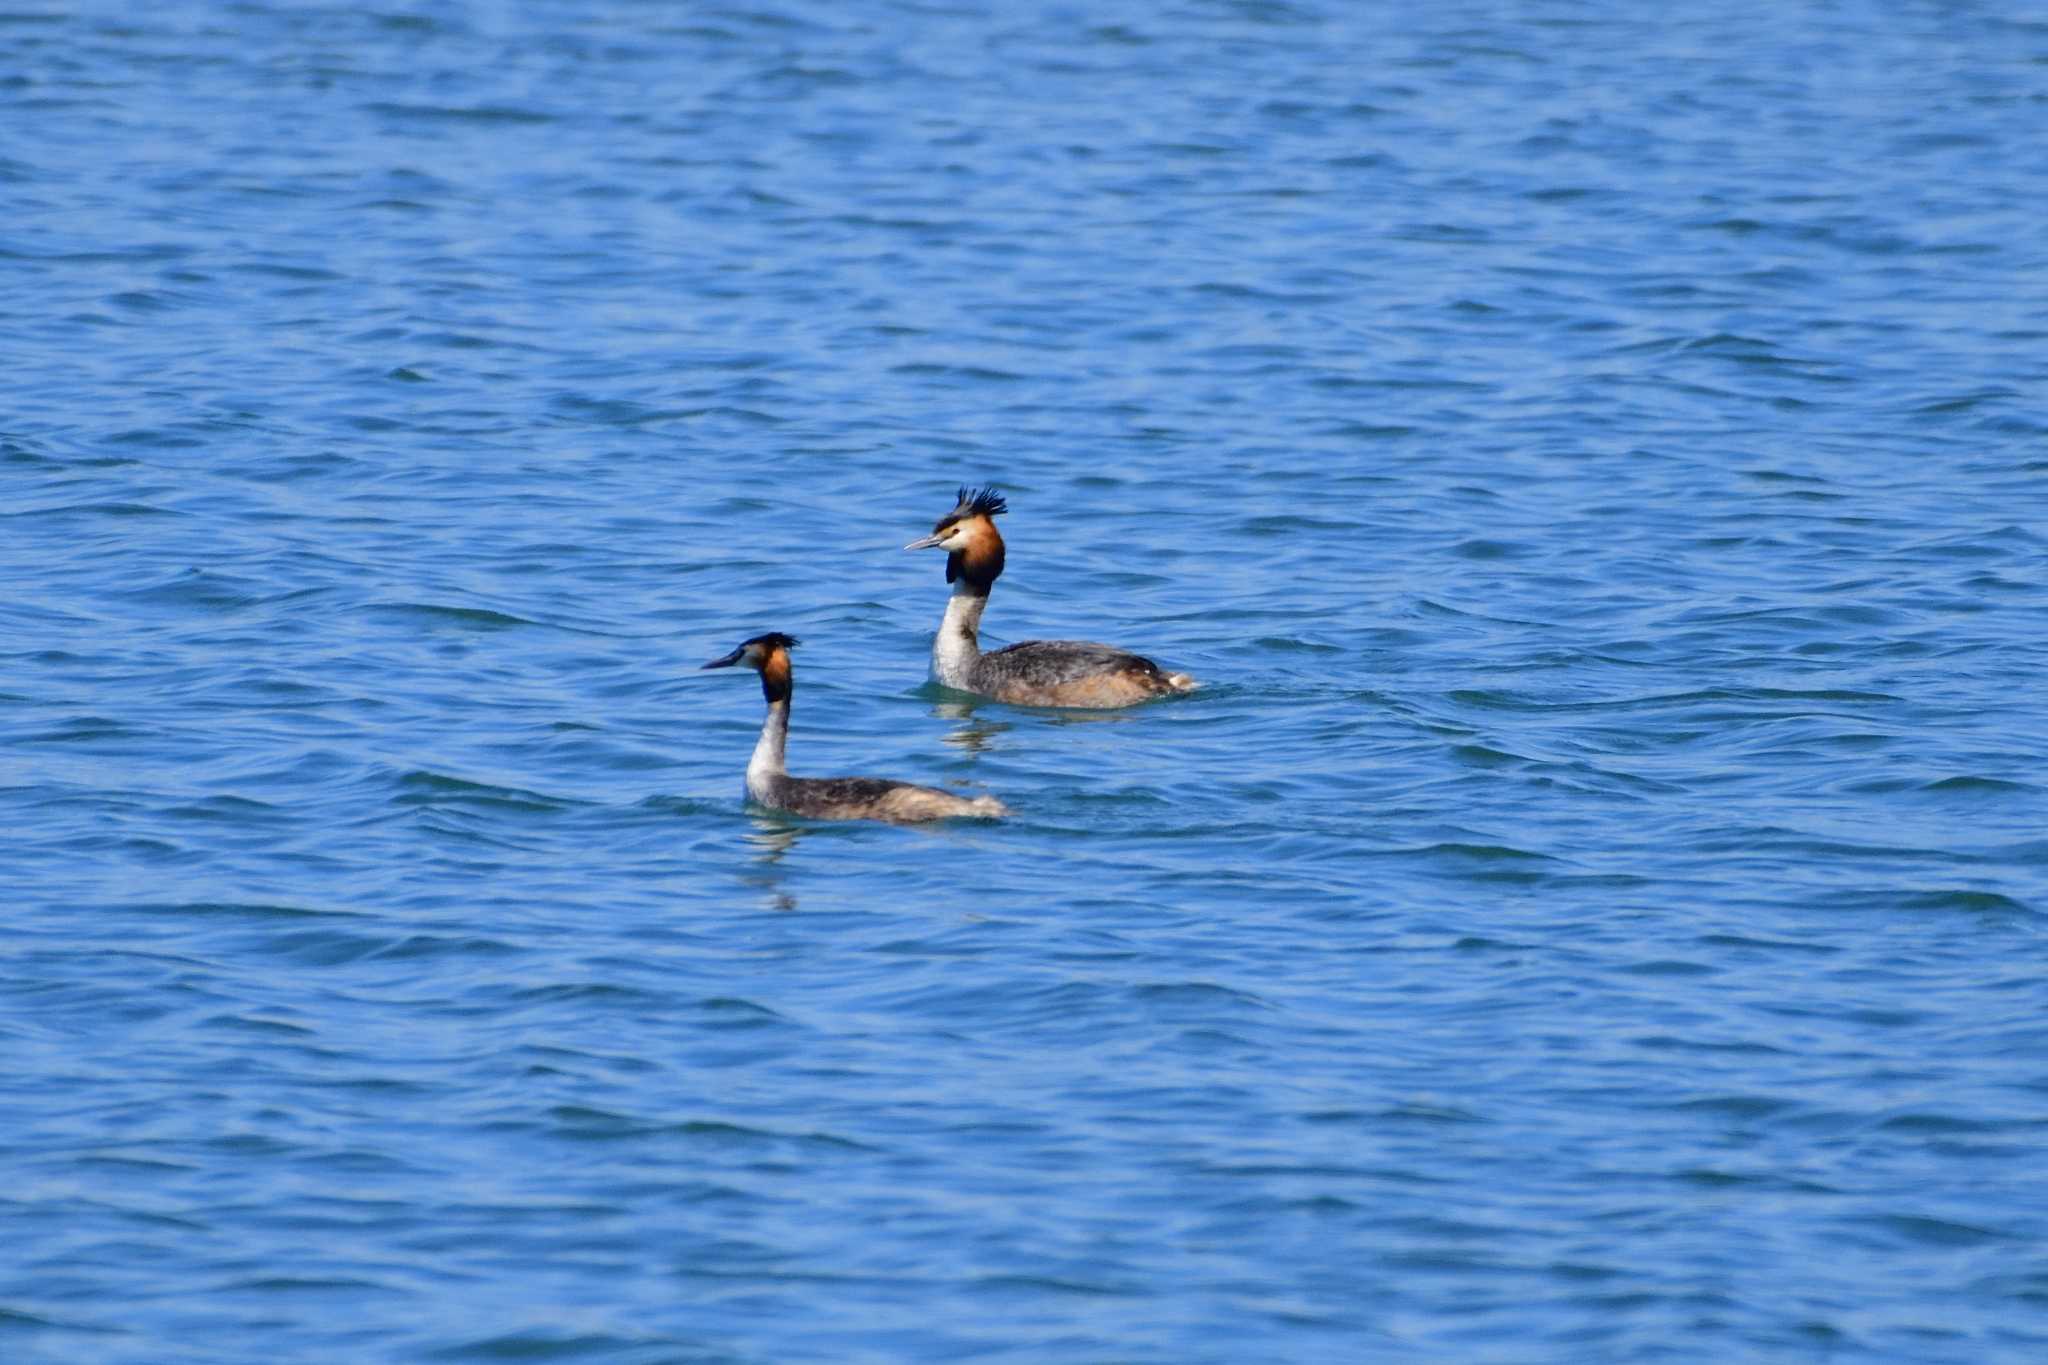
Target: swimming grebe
point(1036, 672)
point(829, 798)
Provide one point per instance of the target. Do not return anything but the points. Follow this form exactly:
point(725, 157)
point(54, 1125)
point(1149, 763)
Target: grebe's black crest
point(774, 639)
point(984, 501)
point(977, 554)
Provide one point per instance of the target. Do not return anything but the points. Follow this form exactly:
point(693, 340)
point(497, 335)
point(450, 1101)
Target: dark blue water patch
point(436, 790)
point(546, 1345)
point(482, 114)
point(1979, 786)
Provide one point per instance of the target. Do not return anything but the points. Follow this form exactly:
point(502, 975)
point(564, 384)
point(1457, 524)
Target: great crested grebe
point(1036, 672)
point(830, 798)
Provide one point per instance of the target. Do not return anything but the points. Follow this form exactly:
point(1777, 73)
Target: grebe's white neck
point(957, 646)
point(766, 764)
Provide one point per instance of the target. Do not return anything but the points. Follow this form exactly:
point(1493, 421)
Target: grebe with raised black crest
point(1035, 672)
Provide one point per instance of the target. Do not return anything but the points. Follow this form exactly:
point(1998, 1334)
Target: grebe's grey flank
point(829, 798)
point(1036, 672)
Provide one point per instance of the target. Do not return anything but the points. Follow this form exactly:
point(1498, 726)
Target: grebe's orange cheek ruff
point(956, 530)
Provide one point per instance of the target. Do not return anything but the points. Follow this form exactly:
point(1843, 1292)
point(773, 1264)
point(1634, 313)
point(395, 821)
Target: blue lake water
point(1594, 457)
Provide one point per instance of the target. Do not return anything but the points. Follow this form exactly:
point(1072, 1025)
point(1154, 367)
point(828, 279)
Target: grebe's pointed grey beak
point(924, 542)
point(728, 661)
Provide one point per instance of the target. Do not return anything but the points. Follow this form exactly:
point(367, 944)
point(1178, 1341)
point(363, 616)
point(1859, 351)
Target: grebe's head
point(968, 535)
point(767, 655)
